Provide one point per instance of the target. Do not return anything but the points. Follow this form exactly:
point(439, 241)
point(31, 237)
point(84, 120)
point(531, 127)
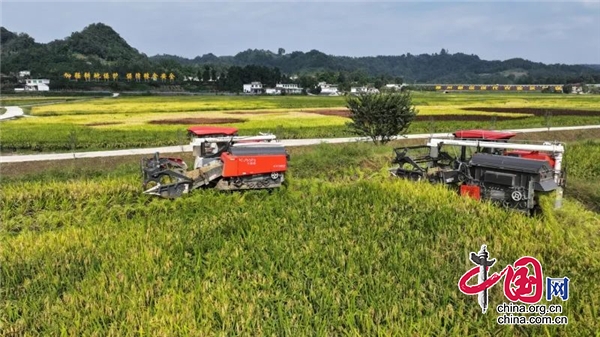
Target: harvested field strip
point(469, 118)
point(27, 102)
point(427, 117)
point(255, 112)
point(536, 111)
point(103, 123)
point(185, 121)
point(336, 112)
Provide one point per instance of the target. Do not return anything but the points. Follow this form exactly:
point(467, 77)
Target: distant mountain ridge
point(99, 48)
point(440, 67)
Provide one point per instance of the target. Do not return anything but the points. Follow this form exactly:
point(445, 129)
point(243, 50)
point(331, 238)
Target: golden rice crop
point(129, 105)
point(109, 123)
point(344, 250)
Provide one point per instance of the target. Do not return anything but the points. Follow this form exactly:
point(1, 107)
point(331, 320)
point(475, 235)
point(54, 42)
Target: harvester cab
point(223, 160)
point(485, 165)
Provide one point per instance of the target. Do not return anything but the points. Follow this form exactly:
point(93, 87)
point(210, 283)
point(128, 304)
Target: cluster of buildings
point(326, 89)
point(26, 83)
point(280, 88)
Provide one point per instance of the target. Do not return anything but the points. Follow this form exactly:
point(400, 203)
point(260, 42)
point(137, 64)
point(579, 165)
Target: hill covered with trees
point(98, 48)
point(442, 67)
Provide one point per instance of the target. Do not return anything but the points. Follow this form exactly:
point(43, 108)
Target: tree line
point(99, 49)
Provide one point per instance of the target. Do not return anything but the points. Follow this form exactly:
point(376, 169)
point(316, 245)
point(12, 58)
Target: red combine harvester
point(484, 165)
point(224, 161)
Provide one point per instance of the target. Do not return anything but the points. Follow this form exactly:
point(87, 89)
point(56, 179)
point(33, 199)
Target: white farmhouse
point(288, 88)
point(395, 87)
point(363, 90)
point(328, 89)
point(272, 91)
point(24, 73)
point(253, 88)
point(37, 84)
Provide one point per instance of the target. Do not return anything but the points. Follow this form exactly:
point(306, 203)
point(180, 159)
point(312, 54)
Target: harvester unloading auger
point(484, 165)
point(224, 161)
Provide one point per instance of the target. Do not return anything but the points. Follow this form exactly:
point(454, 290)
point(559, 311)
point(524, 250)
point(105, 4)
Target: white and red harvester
point(224, 161)
point(483, 164)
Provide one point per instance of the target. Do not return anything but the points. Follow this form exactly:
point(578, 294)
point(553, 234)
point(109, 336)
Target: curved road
point(12, 112)
point(286, 142)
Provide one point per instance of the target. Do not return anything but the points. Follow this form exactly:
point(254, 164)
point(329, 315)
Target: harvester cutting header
point(482, 164)
point(224, 161)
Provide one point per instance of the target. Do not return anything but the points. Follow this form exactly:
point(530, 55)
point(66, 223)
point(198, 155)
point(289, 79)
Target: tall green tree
point(381, 116)
point(206, 74)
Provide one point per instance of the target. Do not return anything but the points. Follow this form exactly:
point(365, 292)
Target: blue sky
point(549, 31)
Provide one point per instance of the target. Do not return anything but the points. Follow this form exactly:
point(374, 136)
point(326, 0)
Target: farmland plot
point(128, 122)
point(343, 250)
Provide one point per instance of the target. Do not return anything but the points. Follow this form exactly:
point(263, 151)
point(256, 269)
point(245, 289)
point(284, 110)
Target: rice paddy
point(125, 122)
point(343, 250)
point(27, 100)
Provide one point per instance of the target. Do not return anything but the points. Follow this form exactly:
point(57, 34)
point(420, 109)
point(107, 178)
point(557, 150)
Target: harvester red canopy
point(212, 130)
point(484, 134)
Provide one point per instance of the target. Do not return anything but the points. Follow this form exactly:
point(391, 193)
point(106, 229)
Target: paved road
point(286, 142)
point(12, 112)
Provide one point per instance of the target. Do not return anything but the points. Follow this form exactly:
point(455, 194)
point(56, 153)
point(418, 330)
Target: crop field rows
point(343, 250)
point(8, 100)
point(127, 122)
